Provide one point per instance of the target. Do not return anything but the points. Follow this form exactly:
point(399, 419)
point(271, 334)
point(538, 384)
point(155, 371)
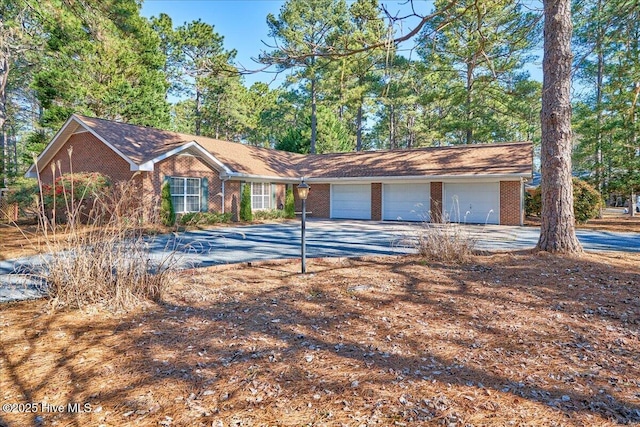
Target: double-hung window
point(260, 195)
point(185, 194)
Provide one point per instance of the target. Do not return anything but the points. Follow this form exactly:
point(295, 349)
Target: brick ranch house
point(469, 183)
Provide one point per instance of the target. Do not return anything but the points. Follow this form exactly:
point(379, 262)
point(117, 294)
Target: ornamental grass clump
point(106, 259)
point(445, 241)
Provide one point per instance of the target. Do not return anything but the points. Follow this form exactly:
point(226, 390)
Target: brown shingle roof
point(482, 159)
point(142, 144)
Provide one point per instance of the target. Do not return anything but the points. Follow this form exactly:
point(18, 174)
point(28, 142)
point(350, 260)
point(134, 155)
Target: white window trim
point(265, 194)
point(184, 193)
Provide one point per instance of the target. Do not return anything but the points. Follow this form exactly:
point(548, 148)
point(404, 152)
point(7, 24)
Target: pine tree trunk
point(469, 125)
point(557, 231)
point(4, 77)
point(198, 112)
point(359, 128)
point(314, 119)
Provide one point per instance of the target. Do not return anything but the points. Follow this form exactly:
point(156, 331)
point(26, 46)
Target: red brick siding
point(510, 203)
point(376, 201)
point(436, 202)
point(89, 155)
point(281, 194)
point(189, 167)
point(318, 202)
point(232, 198)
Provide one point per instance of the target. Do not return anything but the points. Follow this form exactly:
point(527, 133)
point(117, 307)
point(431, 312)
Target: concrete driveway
point(325, 238)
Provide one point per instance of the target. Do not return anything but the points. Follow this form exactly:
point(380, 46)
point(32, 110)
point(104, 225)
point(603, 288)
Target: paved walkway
point(325, 238)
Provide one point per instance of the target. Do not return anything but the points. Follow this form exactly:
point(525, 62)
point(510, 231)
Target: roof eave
point(247, 176)
point(476, 176)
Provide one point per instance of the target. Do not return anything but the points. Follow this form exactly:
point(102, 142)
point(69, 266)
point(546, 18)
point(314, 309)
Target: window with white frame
point(260, 195)
point(185, 194)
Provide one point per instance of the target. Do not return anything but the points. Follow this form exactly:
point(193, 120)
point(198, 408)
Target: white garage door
point(351, 201)
point(406, 202)
point(477, 203)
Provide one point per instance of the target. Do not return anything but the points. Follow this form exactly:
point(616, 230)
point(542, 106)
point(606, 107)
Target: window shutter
point(204, 195)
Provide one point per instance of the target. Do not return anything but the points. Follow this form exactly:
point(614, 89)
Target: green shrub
point(289, 205)
point(204, 218)
point(25, 194)
point(75, 188)
point(587, 201)
point(269, 214)
point(533, 202)
point(167, 212)
point(245, 204)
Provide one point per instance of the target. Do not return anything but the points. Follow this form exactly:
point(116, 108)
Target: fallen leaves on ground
point(508, 339)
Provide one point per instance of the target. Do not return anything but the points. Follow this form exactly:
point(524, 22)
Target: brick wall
point(281, 194)
point(376, 201)
point(436, 202)
point(318, 202)
point(510, 203)
point(232, 198)
point(89, 155)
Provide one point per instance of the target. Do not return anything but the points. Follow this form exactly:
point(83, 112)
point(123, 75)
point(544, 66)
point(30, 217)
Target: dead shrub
point(104, 259)
point(445, 242)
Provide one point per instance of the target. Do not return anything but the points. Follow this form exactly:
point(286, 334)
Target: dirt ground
point(505, 340)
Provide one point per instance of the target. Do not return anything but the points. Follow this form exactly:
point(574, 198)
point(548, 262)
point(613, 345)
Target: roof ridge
point(186, 136)
point(442, 147)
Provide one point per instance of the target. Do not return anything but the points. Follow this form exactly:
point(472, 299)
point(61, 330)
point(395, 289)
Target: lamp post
point(303, 192)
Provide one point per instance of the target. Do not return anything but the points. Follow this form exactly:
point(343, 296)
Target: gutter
point(383, 179)
point(244, 176)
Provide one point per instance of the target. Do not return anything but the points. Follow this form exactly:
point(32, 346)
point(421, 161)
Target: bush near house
point(204, 218)
point(269, 214)
point(74, 187)
point(25, 194)
point(68, 192)
point(167, 212)
point(65, 189)
point(533, 202)
point(587, 201)
point(245, 204)
point(289, 205)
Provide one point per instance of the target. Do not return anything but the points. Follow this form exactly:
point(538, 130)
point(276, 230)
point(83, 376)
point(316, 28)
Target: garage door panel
point(351, 201)
point(406, 202)
point(472, 202)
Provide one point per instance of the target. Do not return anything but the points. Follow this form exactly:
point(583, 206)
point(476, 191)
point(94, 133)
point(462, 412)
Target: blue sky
point(243, 23)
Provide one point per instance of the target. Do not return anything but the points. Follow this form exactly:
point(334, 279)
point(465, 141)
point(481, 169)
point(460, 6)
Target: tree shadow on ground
point(418, 343)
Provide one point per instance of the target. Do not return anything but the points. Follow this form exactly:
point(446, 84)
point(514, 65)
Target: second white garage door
point(406, 202)
point(477, 203)
point(351, 201)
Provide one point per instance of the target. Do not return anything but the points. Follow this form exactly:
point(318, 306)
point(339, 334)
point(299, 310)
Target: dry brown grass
point(507, 339)
point(444, 241)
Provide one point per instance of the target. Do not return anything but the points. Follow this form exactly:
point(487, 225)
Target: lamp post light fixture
point(303, 193)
